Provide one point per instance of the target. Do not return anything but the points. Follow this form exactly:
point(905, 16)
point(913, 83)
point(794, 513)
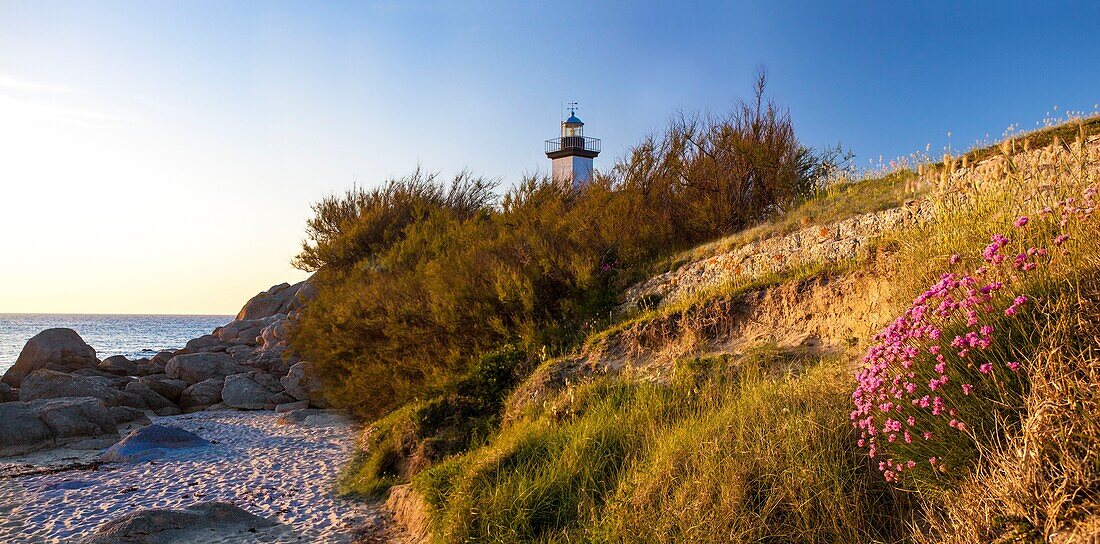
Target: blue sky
point(151, 129)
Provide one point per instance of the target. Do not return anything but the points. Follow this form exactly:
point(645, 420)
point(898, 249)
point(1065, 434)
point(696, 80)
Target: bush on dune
point(418, 278)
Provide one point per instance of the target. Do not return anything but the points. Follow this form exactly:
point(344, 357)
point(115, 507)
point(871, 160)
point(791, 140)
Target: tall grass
point(736, 450)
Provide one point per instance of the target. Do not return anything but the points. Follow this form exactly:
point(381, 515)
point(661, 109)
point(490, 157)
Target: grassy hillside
point(758, 443)
point(482, 344)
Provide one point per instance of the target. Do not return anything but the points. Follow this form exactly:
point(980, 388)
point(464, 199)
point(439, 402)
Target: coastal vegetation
point(419, 278)
point(484, 341)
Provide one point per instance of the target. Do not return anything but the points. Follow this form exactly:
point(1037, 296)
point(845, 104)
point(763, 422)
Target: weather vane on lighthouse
point(572, 152)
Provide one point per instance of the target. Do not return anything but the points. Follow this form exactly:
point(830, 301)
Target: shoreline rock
point(59, 349)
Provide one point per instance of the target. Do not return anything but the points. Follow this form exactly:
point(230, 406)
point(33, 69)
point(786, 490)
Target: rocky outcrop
point(59, 391)
point(206, 342)
point(74, 419)
point(848, 239)
point(245, 331)
point(196, 367)
point(55, 349)
point(7, 394)
point(280, 299)
point(155, 401)
point(201, 522)
point(125, 414)
point(291, 406)
point(152, 442)
point(160, 360)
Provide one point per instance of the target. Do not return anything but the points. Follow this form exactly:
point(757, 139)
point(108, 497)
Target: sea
point(134, 336)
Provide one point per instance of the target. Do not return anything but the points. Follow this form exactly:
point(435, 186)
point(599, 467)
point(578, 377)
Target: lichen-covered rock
point(7, 394)
point(59, 349)
point(168, 411)
point(72, 420)
point(48, 384)
point(126, 414)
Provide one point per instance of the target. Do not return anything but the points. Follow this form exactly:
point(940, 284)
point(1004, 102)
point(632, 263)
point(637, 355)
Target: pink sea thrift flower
point(902, 393)
point(1021, 221)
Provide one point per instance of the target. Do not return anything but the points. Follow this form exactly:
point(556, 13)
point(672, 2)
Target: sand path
point(285, 472)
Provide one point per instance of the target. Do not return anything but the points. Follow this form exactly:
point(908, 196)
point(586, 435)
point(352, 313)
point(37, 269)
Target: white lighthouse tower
point(572, 153)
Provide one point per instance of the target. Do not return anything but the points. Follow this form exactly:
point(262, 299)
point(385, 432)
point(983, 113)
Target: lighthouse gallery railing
point(573, 142)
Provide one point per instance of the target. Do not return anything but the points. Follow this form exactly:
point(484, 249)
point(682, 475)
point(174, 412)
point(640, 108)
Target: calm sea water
point(130, 335)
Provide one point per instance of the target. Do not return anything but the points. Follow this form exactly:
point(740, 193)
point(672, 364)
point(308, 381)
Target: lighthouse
point(572, 152)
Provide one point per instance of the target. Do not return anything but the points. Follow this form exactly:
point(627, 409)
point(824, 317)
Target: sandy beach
point(277, 470)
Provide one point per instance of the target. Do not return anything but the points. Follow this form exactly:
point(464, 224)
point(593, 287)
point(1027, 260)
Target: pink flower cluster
point(1073, 208)
point(917, 371)
point(940, 362)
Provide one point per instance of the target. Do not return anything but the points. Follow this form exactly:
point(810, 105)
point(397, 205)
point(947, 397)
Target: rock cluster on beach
point(58, 393)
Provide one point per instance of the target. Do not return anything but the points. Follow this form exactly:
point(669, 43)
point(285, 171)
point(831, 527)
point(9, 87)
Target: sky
point(161, 157)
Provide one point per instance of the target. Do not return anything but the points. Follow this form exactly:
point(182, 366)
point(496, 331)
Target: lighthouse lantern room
point(572, 153)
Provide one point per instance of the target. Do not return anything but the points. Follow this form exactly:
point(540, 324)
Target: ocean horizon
point(132, 335)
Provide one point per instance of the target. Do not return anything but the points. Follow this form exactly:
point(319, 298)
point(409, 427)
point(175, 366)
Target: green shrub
point(421, 433)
